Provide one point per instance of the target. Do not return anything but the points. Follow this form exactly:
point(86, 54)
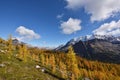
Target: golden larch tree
point(52, 62)
point(10, 46)
point(72, 64)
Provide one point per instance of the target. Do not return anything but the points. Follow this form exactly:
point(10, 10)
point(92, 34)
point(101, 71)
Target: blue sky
point(50, 23)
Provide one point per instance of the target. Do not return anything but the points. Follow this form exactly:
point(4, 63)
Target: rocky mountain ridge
point(96, 47)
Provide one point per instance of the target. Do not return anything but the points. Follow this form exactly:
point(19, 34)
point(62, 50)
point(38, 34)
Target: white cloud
point(99, 9)
point(74, 4)
point(71, 26)
point(26, 34)
point(60, 16)
point(112, 28)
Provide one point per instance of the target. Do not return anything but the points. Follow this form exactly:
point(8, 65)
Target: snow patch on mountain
point(90, 37)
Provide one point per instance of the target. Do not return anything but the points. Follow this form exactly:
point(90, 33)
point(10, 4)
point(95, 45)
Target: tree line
point(65, 65)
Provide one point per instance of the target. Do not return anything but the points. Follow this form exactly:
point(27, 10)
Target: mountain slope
point(96, 47)
point(14, 69)
point(17, 62)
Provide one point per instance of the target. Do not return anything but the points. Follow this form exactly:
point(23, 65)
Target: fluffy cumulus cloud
point(26, 34)
point(112, 28)
point(98, 9)
point(71, 26)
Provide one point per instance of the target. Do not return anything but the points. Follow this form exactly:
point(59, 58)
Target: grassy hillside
point(15, 69)
point(18, 62)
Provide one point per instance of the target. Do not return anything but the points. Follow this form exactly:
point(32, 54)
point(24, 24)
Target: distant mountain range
point(17, 42)
point(95, 47)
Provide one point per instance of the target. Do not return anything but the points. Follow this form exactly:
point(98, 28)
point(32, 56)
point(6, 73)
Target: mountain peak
point(96, 47)
point(94, 36)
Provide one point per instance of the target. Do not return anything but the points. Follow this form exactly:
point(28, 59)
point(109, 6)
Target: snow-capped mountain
point(109, 38)
point(59, 47)
point(96, 47)
point(106, 37)
point(77, 39)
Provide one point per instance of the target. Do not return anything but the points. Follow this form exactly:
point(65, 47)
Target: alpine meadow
point(60, 40)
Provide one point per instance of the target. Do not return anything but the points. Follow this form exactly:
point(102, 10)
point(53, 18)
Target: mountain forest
point(22, 62)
